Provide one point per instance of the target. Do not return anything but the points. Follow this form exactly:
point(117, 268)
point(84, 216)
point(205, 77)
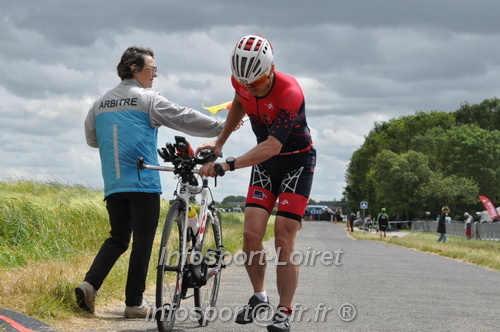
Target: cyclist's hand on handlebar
point(212, 145)
point(219, 169)
point(212, 169)
point(208, 169)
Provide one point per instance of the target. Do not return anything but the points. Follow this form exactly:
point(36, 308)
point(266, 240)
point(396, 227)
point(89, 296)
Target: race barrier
point(480, 231)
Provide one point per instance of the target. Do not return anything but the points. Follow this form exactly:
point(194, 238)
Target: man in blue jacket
point(123, 124)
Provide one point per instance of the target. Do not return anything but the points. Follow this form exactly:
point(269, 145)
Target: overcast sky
point(358, 62)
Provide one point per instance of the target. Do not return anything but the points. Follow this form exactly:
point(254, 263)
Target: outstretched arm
point(233, 121)
point(187, 120)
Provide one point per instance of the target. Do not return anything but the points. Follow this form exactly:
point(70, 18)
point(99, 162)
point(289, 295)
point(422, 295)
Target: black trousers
point(130, 214)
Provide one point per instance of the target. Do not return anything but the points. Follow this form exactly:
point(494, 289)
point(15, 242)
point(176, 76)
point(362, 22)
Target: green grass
point(481, 253)
point(49, 233)
point(50, 220)
point(232, 229)
point(49, 236)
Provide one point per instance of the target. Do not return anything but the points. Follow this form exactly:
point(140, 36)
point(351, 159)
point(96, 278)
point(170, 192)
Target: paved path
point(384, 287)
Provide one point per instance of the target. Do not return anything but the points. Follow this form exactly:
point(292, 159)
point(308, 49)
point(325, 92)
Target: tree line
point(420, 162)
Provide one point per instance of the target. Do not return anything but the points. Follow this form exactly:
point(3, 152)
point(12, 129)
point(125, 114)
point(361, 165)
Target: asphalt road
point(367, 286)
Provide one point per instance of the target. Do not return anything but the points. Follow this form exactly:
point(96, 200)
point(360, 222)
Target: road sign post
point(363, 206)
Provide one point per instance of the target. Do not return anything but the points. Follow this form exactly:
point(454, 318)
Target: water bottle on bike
point(193, 223)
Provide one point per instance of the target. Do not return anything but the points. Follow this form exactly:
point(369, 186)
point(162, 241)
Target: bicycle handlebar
point(181, 155)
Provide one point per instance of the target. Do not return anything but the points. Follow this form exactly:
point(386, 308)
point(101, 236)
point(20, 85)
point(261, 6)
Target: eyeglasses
point(257, 82)
point(153, 69)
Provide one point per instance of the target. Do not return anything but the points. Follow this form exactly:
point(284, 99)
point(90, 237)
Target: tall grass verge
point(49, 235)
point(481, 253)
point(41, 221)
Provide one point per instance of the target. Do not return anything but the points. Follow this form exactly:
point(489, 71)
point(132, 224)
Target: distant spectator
point(337, 215)
point(368, 223)
point(383, 222)
point(351, 221)
point(468, 225)
point(442, 224)
point(307, 215)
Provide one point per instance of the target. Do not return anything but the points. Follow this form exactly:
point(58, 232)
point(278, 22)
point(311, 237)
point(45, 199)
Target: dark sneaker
point(85, 296)
point(252, 309)
point(281, 323)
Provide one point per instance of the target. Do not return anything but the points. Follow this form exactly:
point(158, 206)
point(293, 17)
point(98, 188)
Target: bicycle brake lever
point(140, 165)
point(219, 170)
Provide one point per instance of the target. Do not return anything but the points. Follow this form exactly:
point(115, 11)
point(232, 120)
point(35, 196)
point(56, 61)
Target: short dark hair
point(133, 55)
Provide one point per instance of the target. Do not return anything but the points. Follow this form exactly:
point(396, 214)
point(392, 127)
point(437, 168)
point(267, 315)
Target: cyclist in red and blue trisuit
point(282, 163)
point(281, 115)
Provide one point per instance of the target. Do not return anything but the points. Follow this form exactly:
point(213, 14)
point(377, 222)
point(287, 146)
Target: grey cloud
point(194, 85)
point(359, 62)
point(63, 20)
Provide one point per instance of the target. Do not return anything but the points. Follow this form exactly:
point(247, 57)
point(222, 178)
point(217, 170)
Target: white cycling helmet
point(252, 57)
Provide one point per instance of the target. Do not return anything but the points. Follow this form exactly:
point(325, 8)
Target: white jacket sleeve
point(187, 120)
point(90, 133)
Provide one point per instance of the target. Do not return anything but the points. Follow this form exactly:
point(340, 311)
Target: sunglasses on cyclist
point(257, 82)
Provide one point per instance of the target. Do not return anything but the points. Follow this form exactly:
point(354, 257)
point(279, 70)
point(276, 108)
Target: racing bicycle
point(191, 258)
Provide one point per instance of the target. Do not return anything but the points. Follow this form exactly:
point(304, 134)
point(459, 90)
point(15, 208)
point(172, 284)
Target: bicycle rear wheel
point(169, 274)
point(205, 297)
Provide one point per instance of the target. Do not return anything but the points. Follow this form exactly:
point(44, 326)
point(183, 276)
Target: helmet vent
point(257, 68)
point(236, 68)
point(250, 44)
point(243, 66)
point(249, 67)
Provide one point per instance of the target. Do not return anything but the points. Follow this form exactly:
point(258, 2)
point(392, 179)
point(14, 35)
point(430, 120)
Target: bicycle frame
point(192, 268)
point(183, 193)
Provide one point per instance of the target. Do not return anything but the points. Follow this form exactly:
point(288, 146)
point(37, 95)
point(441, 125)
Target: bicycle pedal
point(216, 252)
point(220, 250)
point(219, 255)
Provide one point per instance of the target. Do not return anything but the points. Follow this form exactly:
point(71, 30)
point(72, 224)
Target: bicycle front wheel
point(169, 274)
point(205, 297)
